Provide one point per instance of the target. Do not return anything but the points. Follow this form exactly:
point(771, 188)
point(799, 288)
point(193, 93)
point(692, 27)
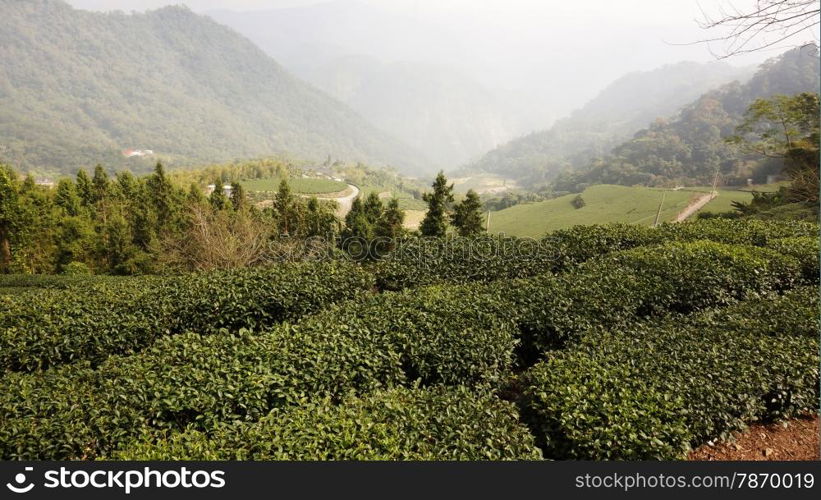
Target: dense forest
point(78, 88)
point(694, 145)
point(621, 109)
point(687, 147)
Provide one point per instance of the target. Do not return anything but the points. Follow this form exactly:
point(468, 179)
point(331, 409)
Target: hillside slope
point(605, 204)
point(621, 109)
point(77, 88)
point(689, 148)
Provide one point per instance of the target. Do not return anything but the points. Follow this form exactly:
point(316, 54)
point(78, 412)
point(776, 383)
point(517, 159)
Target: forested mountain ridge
point(621, 109)
point(690, 147)
point(77, 88)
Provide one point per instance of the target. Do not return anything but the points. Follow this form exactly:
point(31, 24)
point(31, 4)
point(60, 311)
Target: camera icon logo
point(20, 478)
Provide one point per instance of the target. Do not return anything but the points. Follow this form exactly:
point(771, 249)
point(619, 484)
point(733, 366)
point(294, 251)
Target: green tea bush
point(62, 281)
point(796, 313)
point(430, 336)
point(439, 423)
point(806, 250)
point(426, 261)
point(652, 391)
point(447, 335)
point(259, 297)
point(621, 288)
point(738, 231)
point(700, 274)
point(457, 260)
point(124, 317)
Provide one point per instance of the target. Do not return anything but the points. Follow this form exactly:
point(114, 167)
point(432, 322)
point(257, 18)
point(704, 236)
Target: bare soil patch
point(794, 439)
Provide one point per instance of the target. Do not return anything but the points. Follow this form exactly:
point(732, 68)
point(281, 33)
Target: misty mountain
point(433, 107)
point(78, 87)
point(689, 147)
point(621, 109)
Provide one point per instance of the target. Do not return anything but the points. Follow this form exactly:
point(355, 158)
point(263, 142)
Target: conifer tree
point(99, 185)
point(218, 199)
point(286, 209)
point(195, 195)
point(162, 195)
point(9, 215)
point(435, 221)
point(84, 190)
point(467, 215)
point(66, 197)
point(238, 199)
point(372, 207)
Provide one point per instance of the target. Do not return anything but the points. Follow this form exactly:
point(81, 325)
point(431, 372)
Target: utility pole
point(658, 212)
point(487, 223)
point(715, 183)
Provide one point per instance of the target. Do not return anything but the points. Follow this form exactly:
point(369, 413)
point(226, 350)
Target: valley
point(370, 231)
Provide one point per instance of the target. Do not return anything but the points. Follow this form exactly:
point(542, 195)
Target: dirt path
point(695, 206)
point(795, 439)
point(344, 201)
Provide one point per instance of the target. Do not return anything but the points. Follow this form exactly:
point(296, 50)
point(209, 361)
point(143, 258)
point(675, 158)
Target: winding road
point(345, 202)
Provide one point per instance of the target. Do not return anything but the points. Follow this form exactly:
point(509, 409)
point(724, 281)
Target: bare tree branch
point(767, 24)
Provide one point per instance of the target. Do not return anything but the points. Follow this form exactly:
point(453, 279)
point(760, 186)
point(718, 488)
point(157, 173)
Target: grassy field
point(603, 204)
point(608, 203)
point(723, 202)
point(484, 183)
point(298, 185)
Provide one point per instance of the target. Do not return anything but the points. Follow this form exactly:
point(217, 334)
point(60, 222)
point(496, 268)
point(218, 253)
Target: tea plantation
point(596, 342)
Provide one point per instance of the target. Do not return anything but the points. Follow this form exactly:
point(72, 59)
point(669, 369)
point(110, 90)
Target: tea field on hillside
point(594, 342)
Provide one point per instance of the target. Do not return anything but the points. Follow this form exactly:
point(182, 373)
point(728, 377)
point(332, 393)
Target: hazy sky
point(571, 48)
point(524, 22)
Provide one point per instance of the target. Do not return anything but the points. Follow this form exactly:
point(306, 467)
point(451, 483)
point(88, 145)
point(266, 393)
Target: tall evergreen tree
point(127, 185)
point(390, 223)
point(320, 220)
point(195, 195)
point(9, 215)
point(66, 197)
point(162, 195)
point(357, 224)
point(218, 200)
point(238, 198)
point(439, 201)
point(286, 209)
point(372, 207)
point(467, 215)
point(100, 188)
point(84, 189)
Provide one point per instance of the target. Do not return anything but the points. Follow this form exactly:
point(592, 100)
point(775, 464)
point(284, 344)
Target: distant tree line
point(126, 224)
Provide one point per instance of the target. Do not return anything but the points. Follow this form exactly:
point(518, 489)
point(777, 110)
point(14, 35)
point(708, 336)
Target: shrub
point(457, 260)
point(737, 231)
point(581, 243)
point(650, 391)
point(124, 317)
point(793, 314)
point(806, 250)
point(434, 336)
point(400, 424)
point(76, 269)
point(621, 288)
point(695, 275)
